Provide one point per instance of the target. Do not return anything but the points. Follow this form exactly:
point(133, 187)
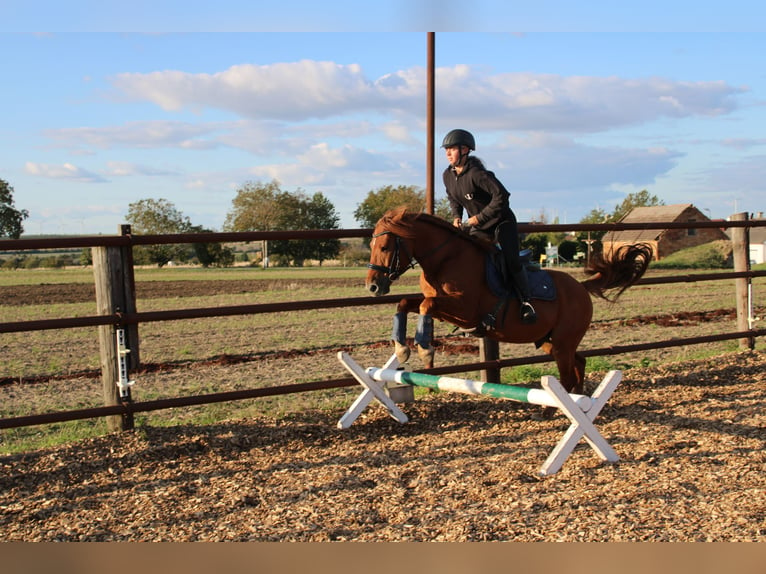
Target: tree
point(641, 199)
point(380, 200)
point(596, 215)
point(10, 217)
point(297, 211)
point(158, 217)
point(442, 209)
point(211, 254)
point(266, 207)
point(254, 208)
point(538, 241)
point(321, 214)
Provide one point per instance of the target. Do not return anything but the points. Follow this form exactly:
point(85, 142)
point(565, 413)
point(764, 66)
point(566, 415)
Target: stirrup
point(527, 313)
point(489, 321)
point(478, 331)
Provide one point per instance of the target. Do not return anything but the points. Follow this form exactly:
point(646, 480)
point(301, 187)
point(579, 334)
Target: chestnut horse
point(454, 268)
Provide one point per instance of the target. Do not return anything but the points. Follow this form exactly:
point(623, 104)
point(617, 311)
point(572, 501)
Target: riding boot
point(527, 312)
point(507, 236)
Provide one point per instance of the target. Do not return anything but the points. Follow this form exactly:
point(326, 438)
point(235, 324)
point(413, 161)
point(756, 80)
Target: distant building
point(758, 241)
point(663, 241)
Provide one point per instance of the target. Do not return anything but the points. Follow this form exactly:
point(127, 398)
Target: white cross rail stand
point(122, 351)
point(581, 410)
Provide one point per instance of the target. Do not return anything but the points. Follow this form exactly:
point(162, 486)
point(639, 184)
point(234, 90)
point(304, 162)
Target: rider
point(472, 187)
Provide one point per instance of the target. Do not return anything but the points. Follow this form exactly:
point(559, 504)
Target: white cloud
point(127, 169)
point(323, 164)
point(327, 127)
point(79, 211)
point(522, 101)
point(66, 171)
point(580, 104)
point(284, 90)
point(743, 177)
point(144, 134)
point(398, 132)
point(543, 163)
point(293, 175)
point(743, 143)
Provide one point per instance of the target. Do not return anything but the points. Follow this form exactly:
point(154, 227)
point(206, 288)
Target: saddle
point(541, 285)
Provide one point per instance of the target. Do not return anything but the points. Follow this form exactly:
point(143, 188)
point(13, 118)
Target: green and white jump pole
point(470, 387)
point(581, 410)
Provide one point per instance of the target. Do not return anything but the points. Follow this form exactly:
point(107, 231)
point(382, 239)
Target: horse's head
point(389, 256)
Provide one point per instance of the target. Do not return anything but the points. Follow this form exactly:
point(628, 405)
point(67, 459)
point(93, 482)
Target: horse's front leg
point(425, 333)
point(399, 334)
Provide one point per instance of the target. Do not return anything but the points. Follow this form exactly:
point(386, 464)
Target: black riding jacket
point(480, 193)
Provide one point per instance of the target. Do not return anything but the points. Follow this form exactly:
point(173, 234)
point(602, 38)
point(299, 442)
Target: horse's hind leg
point(579, 371)
point(571, 370)
point(571, 367)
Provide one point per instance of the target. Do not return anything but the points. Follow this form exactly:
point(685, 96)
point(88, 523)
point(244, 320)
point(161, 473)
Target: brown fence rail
point(115, 295)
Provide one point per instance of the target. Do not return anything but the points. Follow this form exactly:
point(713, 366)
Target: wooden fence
point(118, 318)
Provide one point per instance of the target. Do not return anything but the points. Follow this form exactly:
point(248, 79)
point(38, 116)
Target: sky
point(572, 107)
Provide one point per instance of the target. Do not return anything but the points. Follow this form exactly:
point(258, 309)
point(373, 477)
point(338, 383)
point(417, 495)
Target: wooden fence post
point(740, 239)
point(489, 350)
point(115, 293)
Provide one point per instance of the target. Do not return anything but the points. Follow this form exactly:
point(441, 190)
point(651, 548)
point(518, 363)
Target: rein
point(393, 270)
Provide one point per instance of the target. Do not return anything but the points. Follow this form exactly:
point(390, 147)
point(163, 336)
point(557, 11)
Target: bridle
point(393, 271)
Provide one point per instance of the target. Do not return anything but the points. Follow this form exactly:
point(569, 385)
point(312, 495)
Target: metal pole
point(430, 142)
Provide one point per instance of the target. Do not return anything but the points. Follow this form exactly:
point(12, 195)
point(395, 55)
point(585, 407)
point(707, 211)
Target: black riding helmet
point(459, 137)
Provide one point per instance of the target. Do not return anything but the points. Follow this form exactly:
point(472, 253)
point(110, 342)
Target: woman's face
point(453, 154)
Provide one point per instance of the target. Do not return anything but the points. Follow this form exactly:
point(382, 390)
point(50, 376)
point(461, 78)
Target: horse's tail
point(626, 266)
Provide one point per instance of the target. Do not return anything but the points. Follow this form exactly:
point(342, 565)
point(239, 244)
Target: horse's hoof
point(402, 353)
point(546, 414)
point(426, 354)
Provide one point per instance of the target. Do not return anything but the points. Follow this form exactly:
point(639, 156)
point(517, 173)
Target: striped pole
point(470, 387)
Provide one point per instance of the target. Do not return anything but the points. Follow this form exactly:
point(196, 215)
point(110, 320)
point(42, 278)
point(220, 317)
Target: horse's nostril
point(372, 288)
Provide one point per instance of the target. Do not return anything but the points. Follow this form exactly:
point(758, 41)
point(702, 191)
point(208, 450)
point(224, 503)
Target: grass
point(85, 274)
point(713, 255)
point(26, 439)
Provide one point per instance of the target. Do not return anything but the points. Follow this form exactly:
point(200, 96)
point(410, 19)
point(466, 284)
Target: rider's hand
point(473, 221)
point(456, 222)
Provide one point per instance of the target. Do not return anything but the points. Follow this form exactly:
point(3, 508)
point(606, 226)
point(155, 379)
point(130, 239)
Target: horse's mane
point(400, 221)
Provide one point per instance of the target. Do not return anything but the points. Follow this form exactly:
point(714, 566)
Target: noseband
point(393, 270)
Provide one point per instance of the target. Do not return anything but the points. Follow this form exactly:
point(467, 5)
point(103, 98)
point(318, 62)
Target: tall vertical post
point(430, 114)
point(489, 350)
point(115, 293)
point(740, 237)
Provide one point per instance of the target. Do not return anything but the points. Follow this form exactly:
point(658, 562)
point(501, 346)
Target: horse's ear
point(399, 212)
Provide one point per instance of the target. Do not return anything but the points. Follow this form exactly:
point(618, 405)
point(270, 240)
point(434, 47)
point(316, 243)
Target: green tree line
point(259, 206)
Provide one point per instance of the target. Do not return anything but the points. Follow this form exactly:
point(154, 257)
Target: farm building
point(758, 242)
point(663, 241)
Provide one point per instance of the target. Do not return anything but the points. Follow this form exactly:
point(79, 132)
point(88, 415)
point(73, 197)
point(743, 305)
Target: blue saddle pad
point(541, 285)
